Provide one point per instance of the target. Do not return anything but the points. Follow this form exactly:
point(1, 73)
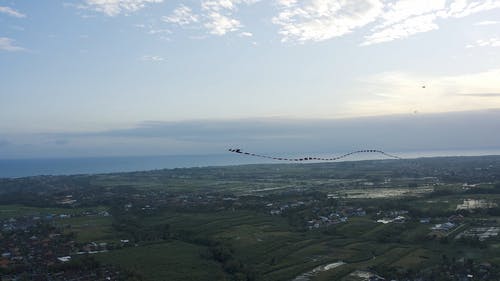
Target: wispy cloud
point(404, 18)
point(245, 34)
point(152, 58)
point(116, 7)
point(11, 12)
point(315, 20)
point(482, 95)
point(491, 42)
point(463, 8)
point(216, 16)
point(182, 15)
point(397, 132)
point(220, 24)
point(319, 20)
point(403, 93)
point(486, 22)
point(7, 44)
point(402, 30)
point(219, 15)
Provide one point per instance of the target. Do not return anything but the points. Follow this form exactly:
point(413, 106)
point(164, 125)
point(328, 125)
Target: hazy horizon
point(472, 130)
point(156, 77)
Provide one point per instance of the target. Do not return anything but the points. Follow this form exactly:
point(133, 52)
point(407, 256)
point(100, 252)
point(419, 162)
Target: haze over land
point(250, 140)
point(150, 77)
point(475, 130)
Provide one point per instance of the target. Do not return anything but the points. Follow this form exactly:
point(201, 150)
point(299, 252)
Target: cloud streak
point(152, 58)
point(320, 20)
point(458, 130)
point(11, 12)
point(482, 95)
point(116, 7)
point(400, 92)
point(219, 15)
point(487, 22)
point(491, 42)
point(316, 20)
point(8, 44)
point(182, 15)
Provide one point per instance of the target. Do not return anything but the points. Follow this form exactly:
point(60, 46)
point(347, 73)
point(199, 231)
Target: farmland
point(340, 221)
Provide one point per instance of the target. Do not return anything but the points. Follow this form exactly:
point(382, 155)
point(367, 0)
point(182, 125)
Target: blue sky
point(69, 68)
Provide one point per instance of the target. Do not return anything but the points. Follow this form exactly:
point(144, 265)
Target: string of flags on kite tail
point(239, 151)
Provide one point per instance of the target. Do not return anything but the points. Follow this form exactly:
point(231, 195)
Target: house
point(425, 220)
point(399, 219)
point(64, 259)
point(456, 218)
point(443, 226)
point(275, 212)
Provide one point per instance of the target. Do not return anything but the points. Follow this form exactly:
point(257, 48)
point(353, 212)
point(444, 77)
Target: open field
point(274, 222)
point(166, 261)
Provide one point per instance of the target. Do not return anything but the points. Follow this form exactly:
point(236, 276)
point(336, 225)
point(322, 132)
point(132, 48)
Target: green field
point(166, 261)
point(17, 210)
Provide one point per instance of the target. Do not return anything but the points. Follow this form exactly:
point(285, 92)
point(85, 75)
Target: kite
point(239, 151)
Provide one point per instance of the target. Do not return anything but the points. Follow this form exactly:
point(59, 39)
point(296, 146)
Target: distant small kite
point(239, 151)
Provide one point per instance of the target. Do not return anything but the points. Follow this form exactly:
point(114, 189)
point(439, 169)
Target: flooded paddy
point(482, 233)
point(470, 204)
point(381, 193)
point(308, 275)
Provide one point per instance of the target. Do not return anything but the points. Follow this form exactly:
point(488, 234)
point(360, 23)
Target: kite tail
point(239, 151)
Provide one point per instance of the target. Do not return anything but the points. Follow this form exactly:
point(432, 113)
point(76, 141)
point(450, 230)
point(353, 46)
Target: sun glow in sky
point(85, 66)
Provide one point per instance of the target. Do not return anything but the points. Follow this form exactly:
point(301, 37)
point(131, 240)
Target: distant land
point(14, 168)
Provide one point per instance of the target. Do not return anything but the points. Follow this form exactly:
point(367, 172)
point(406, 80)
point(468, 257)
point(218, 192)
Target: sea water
point(12, 168)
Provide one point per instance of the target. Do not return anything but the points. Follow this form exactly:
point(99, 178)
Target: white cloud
point(463, 8)
point(403, 10)
point(219, 18)
point(316, 20)
point(11, 12)
point(217, 5)
point(7, 44)
point(159, 31)
point(219, 24)
point(491, 42)
point(182, 15)
point(152, 58)
point(319, 20)
point(152, 29)
point(402, 30)
point(245, 34)
point(404, 18)
point(487, 22)
point(397, 92)
point(221, 5)
point(116, 7)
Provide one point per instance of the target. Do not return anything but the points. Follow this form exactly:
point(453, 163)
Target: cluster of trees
point(138, 232)
point(235, 268)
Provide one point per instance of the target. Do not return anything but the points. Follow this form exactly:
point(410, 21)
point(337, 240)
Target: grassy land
point(90, 229)
point(8, 211)
point(270, 245)
point(166, 261)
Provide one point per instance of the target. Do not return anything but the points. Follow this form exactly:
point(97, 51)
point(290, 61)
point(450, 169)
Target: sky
point(143, 77)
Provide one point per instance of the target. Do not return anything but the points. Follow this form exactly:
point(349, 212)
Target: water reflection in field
point(469, 204)
point(381, 192)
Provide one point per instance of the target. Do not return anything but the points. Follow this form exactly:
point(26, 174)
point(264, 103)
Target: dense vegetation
point(267, 222)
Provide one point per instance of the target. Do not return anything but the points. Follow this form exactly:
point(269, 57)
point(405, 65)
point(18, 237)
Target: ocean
point(13, 168)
